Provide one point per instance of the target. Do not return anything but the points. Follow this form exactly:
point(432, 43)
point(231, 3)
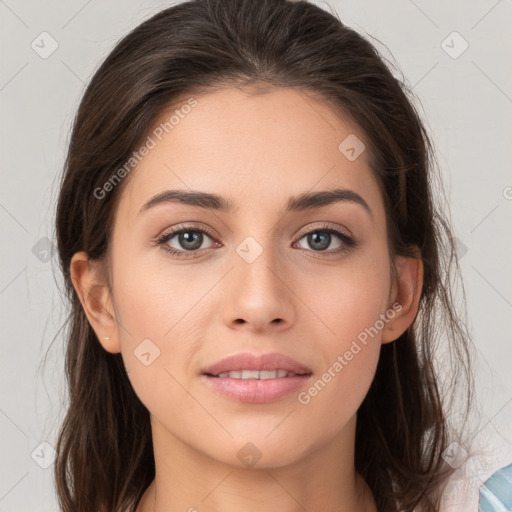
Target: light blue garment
point(496, 493)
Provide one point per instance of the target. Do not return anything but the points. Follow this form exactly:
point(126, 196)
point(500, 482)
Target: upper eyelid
point(175, 231)
point(325, 225)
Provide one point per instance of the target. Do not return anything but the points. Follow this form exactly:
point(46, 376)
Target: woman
point(259, 274)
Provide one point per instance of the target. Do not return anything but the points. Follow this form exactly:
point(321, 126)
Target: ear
point(94, 294)
point(405, 296)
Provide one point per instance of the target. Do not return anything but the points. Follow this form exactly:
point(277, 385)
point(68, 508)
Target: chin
point(261, 453)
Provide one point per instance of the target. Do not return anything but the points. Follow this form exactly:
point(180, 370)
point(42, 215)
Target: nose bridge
point(257, 263)
point(258, 294)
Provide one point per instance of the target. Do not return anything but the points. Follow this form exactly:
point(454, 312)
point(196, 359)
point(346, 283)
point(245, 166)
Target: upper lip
point(246, 361)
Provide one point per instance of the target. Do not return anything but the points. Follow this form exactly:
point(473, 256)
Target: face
point(312, 284)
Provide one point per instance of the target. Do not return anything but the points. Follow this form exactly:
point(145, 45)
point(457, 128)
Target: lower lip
point(256, 391)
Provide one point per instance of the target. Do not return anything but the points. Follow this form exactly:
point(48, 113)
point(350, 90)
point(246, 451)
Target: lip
point(246, 361)
point(256, 390)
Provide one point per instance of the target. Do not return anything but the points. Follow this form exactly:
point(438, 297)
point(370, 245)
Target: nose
point(259, 295)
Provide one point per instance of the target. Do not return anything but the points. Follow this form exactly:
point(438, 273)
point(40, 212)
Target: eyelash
point(349, 242)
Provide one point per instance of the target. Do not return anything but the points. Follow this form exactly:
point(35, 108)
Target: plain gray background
point(465, 99)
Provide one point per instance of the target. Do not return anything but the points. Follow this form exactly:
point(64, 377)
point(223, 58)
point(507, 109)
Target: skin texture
point(257, 150)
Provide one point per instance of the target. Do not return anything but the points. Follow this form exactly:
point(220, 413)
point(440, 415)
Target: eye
point(190, 238)
point(321, 238)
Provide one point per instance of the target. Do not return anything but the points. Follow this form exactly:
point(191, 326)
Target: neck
point(190, 481)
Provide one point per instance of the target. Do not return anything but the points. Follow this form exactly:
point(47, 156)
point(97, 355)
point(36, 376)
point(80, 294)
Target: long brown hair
point(104, 456)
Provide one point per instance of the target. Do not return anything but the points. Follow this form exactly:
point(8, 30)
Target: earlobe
point(407, 293)
point(94, 295)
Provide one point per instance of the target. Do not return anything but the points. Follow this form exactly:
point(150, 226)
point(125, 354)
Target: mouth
point(257, 374)
point(256, 366)
point(256, 378)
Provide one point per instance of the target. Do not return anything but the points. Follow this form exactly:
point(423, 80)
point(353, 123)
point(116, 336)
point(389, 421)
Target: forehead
point(255, 148)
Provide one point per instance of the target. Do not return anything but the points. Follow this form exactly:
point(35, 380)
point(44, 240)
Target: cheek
point(159, 337)
point(352, 308)
point(348, 297)
point(335, 395)
point(155, 297)
point(165, 311)
point(350, 353)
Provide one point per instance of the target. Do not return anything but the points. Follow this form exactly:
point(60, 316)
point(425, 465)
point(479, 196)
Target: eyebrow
point(302, 202)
